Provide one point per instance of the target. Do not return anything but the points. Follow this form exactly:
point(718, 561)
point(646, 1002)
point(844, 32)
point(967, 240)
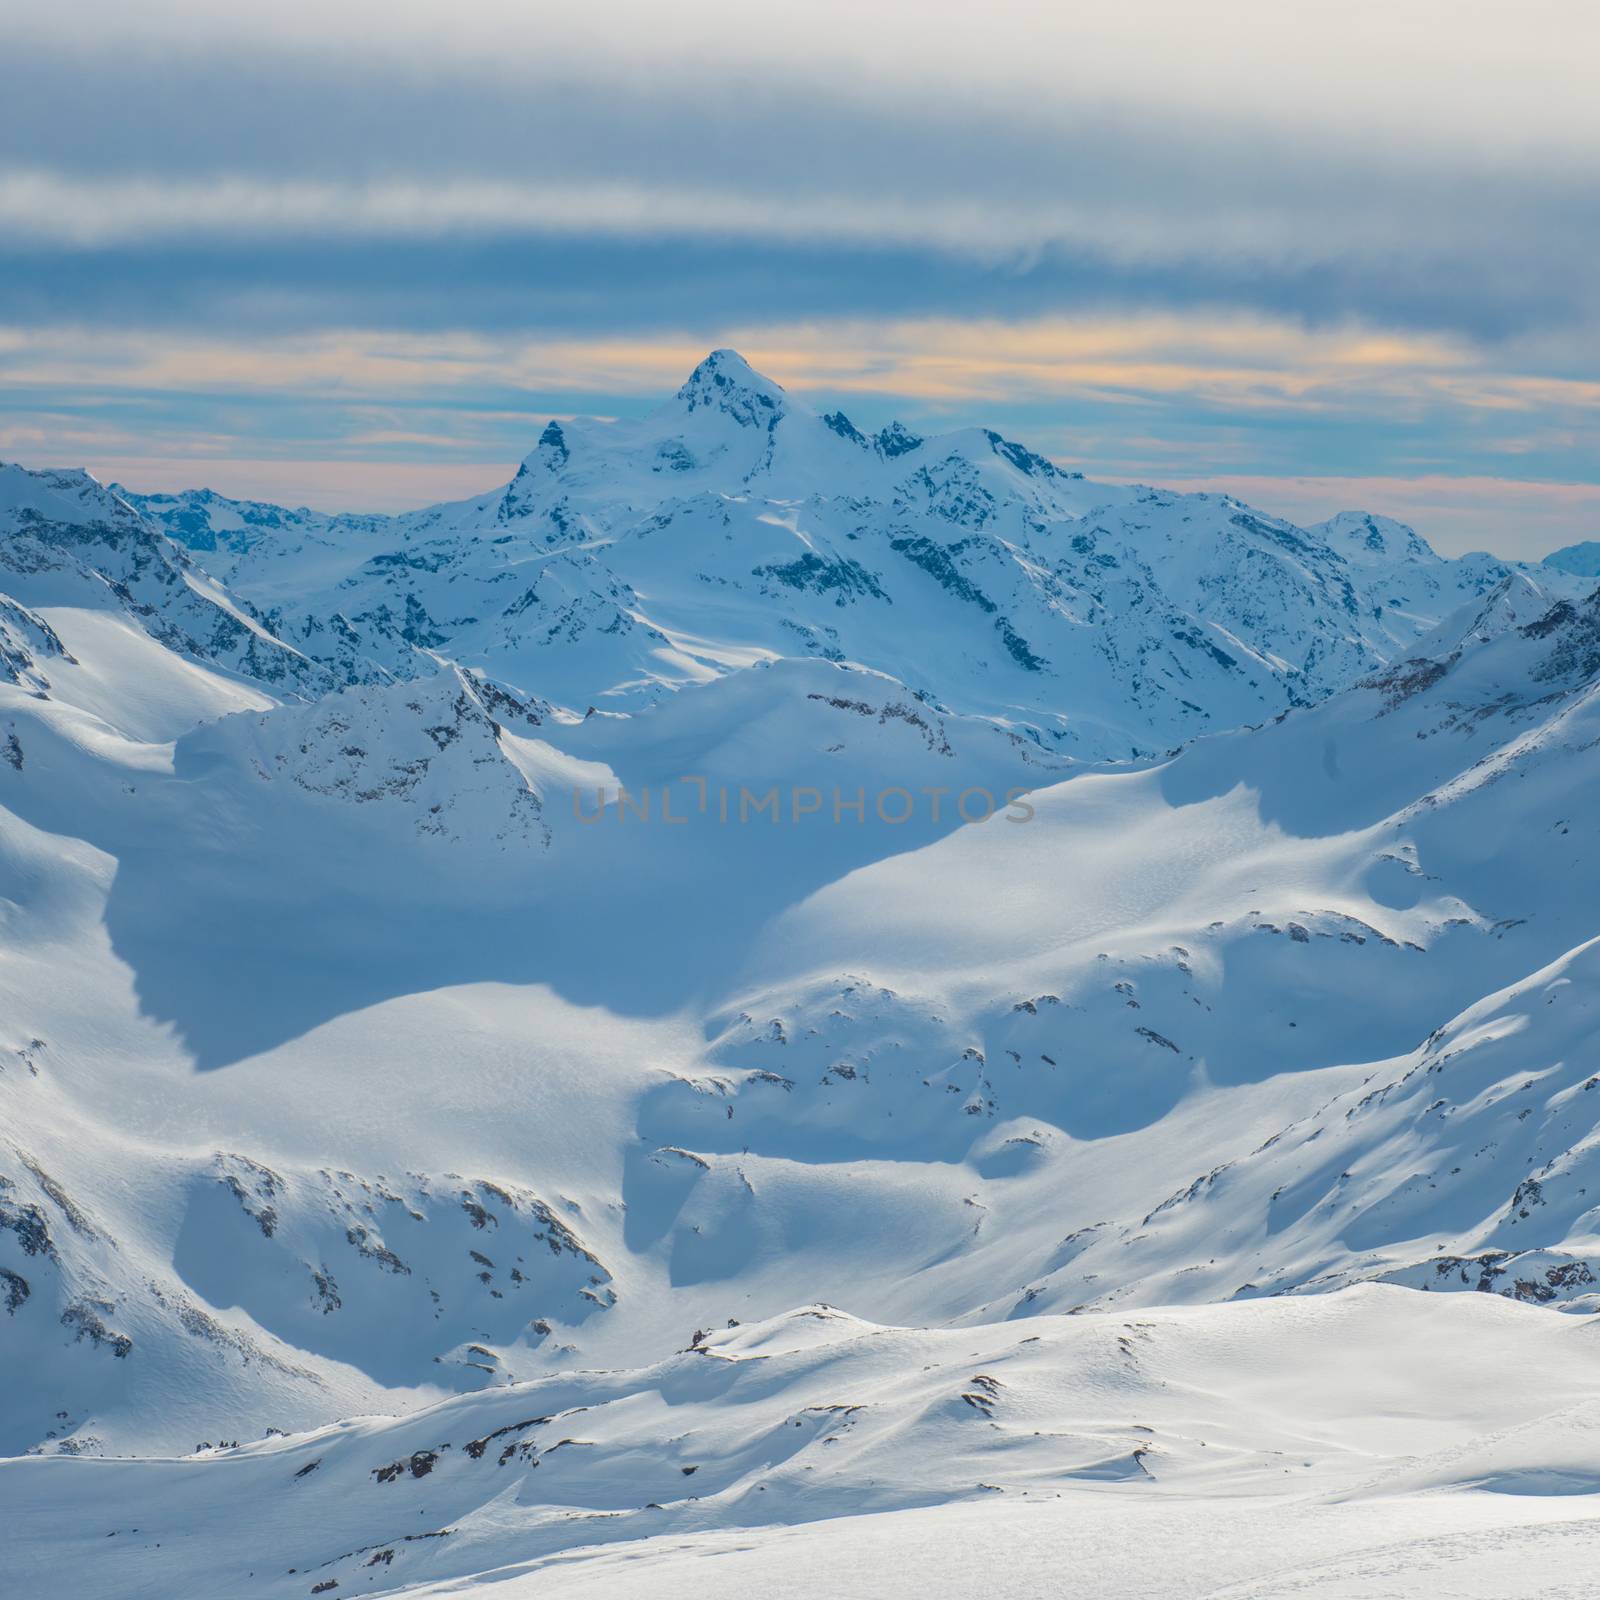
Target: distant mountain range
point(626, 560)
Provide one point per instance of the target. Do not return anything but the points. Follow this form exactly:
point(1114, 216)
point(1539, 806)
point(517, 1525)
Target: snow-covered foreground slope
point(1470, 1548)
point(448, 962)
point(1373, 1429)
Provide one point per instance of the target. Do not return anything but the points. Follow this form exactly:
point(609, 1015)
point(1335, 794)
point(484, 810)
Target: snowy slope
point(1016, 1044)
point(1332, 1416)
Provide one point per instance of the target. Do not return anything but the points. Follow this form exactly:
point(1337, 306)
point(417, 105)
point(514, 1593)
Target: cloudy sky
point(355, 253)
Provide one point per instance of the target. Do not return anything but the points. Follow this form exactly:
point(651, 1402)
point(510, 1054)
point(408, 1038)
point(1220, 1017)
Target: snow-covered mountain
point(66, 542)
point(211, 523)
point(1581, 559)
point(627, 559)
point(638, 988)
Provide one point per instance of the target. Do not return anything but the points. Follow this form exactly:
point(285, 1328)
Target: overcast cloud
point(1295, 243)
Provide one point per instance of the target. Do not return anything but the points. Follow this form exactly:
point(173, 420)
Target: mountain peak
point(1582, 560)
point(727, 382)
point(1363, 536)
point(58, 494)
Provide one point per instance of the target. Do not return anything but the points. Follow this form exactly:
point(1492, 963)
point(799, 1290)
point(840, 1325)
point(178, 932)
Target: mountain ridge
point(1109, 618)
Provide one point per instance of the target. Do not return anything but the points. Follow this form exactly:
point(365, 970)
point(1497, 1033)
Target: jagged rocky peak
point(548, 458)
point(552, 446)
point(837, 422)
point(1028, 462)
point(726, 382)
point(897, 440)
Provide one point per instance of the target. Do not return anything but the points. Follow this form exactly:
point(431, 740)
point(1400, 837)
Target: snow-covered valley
point(525, 1043)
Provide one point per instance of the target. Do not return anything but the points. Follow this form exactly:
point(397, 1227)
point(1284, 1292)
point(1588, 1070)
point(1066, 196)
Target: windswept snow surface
point(766, 1007)
point(1276, 1448)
